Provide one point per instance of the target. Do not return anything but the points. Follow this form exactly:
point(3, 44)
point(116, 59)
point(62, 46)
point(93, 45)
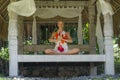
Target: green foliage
point(116, 51)
point(28, 42)
point(85, 32)
point(72, 29)
point(1, 75)
point(116, 57)
point(4, 53)
point(117, 67)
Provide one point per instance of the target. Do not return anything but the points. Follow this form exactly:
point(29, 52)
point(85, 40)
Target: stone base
point(54, 69)
point(62, 71)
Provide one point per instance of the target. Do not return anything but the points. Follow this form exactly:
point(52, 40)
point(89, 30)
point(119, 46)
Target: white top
point(61, 46)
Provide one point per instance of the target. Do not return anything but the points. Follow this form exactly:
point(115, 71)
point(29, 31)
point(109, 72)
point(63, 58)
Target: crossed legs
point(71, 51)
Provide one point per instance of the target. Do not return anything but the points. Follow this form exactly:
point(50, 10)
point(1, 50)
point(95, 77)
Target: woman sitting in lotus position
point(61, 38)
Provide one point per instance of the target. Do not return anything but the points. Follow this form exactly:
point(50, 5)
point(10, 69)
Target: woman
point(61, 38)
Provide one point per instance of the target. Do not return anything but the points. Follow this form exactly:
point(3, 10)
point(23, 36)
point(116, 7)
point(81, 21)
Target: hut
point(98, 13)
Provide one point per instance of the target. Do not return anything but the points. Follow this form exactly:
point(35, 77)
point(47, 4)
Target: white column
point(108, 33)
point(34, 32)
point(79, 33)
point(13, 44)
point(92, 41)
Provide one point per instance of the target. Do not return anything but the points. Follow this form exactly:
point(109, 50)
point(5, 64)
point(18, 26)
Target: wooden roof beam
point(61, 3)
point(2, 19)
point(118, 1)
point(108, 0)
point(6, 15)
point(115, 2)
point(3, 10)
point(92, 1)
point(1, 1)
point(117, 10)
point(4, 4)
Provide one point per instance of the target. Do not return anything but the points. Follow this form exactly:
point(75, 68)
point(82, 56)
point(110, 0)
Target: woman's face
point(60, 24)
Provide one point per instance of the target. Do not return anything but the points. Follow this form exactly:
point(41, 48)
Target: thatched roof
point(4, 16)
point(3, 19)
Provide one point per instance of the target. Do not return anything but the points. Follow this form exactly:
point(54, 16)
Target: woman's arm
point(51, 39)
point(69, 40)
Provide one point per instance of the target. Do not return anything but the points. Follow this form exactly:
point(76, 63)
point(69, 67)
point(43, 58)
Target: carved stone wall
point(55, 70)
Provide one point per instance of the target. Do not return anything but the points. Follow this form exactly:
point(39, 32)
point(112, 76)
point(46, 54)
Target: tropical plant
point(4, 53)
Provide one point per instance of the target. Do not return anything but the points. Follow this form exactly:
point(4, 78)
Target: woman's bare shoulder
point(53, 33)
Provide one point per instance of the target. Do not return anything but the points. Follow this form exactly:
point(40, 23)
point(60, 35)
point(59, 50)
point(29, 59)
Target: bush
point(4, 55)
point(4, 59)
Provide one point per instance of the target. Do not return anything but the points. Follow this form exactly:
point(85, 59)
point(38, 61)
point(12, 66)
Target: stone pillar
point(93, 69)
point(20, 35)
point(92, 41)
point(34, 32)
point(108, 33)
point(79, 31)
point(13, 44)
point(92, 37)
